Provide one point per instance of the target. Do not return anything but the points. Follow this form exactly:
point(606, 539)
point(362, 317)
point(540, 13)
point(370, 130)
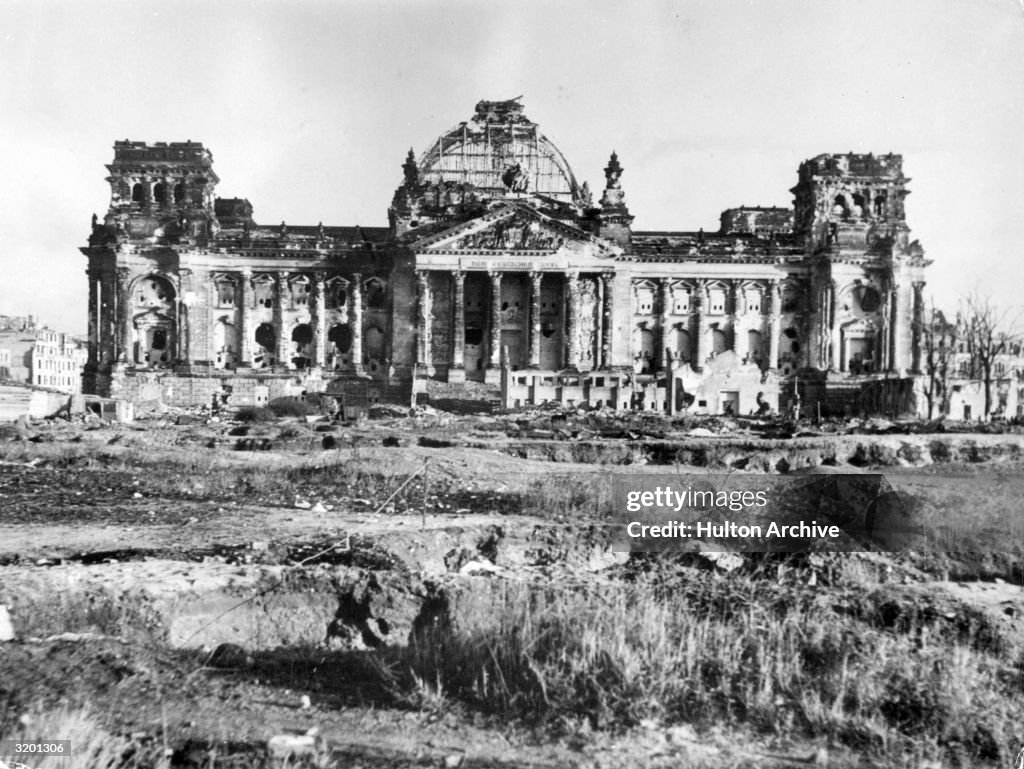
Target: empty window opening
point(264, 294)
point(341, 337)
point(136, 193)
point(179, 193)
point(302, 339)
point(859, 204)
point(376, 297)
point(870, 300)
point(337, 297)
point(266, 338)
point(158, 193)
point(474, 336)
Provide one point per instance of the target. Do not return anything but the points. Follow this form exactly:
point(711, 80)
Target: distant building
point(58, 360)
point(37, 355)
point(956, 375)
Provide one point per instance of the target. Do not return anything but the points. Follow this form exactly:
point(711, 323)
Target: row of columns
point(571, 294)
point(111, 325)
point(247, 330)
point(700, 353)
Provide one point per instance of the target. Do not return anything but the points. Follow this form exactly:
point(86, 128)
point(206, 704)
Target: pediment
point(517, 229)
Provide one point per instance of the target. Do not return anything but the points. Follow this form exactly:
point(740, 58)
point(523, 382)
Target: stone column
point(835, 332)
point(246, 331)
point(107, 322)
point(700, 297)
point(281, 287)
point(123, 329)
point(355, 320)
point(896, 326)
point(94, 318)
point(458, 352)
point(659, 361)
point(606, 319)
point(320, 332)
point(495, 351)
point(735, 311)
point(184, 320)
point(536, 280)
point(774, 323)
point(917, 327)
point(423, 352)
point(572, 321)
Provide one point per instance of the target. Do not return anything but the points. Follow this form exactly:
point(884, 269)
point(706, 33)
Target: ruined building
point(499, 269)
point(34, 354)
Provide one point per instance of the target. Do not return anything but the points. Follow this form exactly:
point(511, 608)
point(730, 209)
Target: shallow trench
point(381, 593)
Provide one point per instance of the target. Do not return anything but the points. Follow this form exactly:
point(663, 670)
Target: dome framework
point(500, 151)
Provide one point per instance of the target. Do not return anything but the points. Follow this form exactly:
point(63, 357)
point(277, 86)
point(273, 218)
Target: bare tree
point(988, 331)
point(938, 346)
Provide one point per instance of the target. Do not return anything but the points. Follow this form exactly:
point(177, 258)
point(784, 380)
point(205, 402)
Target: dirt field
point(197, 589)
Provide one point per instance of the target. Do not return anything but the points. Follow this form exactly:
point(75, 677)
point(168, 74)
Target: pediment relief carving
point(518, 231)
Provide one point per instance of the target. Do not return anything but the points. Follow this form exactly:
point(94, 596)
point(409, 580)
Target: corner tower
point(851, 200)
point(162, 189)
point(866, 276)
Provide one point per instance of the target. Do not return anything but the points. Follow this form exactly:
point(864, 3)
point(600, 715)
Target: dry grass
point(627, 654)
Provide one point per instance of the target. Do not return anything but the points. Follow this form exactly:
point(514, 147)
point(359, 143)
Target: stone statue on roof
point(612, 173)
point(411, 170)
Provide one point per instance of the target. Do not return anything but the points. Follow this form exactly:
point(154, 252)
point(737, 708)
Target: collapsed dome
point(502, 152)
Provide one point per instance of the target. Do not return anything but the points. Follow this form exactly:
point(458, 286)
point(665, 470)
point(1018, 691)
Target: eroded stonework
point(498, 265)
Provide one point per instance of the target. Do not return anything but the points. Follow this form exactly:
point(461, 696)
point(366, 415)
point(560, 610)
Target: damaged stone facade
point(498, 268)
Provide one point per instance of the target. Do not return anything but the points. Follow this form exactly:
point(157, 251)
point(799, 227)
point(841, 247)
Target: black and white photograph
point(456, 384)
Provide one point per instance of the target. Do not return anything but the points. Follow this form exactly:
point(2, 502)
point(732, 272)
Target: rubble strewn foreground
point(425, 589)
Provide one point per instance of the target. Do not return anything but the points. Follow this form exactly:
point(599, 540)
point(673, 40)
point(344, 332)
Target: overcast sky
point(310, 107)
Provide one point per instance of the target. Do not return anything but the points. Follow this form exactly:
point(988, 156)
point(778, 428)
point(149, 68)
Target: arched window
point(879, 205)
point(302, 341)
point(159, 193)
point(340, 335)
point(376, 296)
point(179, 193)
point(136, 193)
point(719, 342)
point(859, 204)
point(266, 338)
